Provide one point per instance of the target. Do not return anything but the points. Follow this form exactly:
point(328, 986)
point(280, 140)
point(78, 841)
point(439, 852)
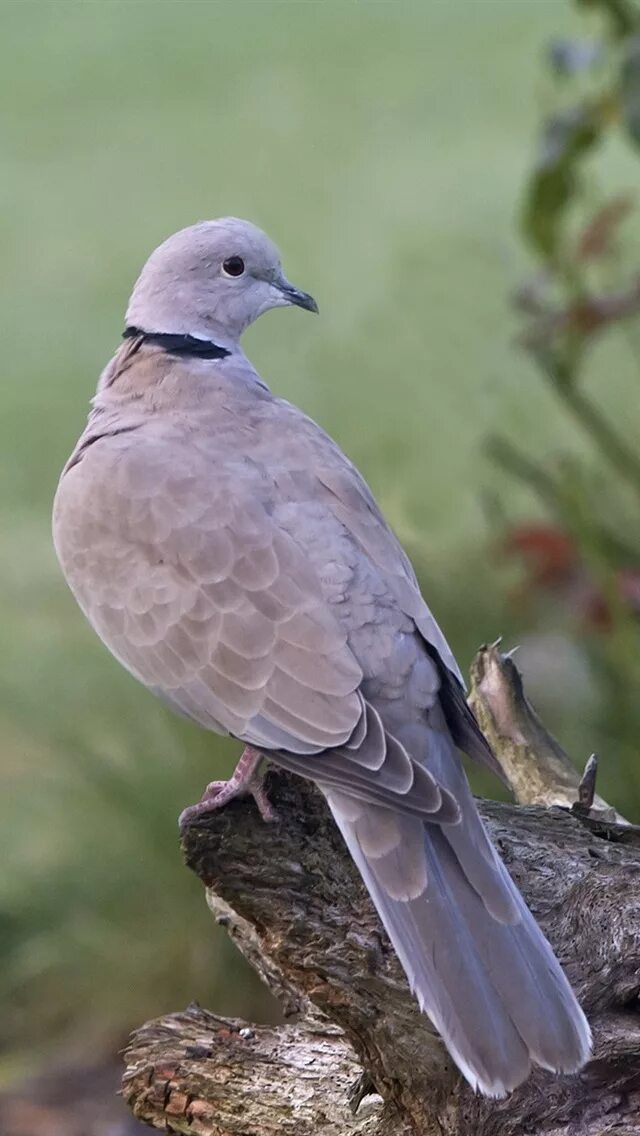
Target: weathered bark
point(197, 1073)
point(294, 904)
point(535, 764)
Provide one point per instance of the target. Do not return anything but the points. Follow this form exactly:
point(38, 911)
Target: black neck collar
point(178, 344)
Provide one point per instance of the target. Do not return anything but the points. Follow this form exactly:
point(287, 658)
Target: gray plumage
point(234, 560)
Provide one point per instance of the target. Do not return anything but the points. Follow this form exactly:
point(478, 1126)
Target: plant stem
point(611, 445)
point(552, 494)
point(561, 374)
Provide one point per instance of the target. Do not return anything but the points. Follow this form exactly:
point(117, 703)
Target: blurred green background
point(384, 147)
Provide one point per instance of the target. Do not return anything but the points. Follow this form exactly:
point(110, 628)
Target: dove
point(233, 559)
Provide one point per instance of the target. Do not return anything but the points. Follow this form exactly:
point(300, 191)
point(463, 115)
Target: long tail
point(475, 958)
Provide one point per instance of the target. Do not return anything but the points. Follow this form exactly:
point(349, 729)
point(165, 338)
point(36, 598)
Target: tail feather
point(475, 958)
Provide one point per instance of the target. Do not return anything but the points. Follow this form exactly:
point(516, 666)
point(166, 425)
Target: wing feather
point(220, 609)
point(358, 511)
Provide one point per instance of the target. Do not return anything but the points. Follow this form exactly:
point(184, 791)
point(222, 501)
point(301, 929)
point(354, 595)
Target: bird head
point(211, 281)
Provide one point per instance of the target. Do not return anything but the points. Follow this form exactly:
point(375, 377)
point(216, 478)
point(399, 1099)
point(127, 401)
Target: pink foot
point(245, 781)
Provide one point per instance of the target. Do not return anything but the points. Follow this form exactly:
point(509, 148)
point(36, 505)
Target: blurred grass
point(383, 147)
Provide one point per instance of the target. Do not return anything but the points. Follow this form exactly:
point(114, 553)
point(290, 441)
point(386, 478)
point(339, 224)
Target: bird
point(235, 561)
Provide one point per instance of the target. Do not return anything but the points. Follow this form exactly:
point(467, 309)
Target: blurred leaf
point(549, 488)
point(596, 238)
point(570, 57)
point(532, 296)
point(559, 559)
point(567, 136)
point(630, 89)
point(571, 325)
point(623, 14)
point(550, 553)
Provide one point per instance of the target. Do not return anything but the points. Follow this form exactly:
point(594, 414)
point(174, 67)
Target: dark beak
point(300, 299)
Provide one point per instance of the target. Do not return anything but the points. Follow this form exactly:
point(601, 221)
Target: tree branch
point(294, 904)
point(197, 1073)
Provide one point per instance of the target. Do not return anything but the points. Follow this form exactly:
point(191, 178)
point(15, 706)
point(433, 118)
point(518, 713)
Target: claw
point(245, 781)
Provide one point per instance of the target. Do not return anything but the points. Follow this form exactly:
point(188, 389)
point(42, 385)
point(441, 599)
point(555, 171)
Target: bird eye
point(233, 266)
